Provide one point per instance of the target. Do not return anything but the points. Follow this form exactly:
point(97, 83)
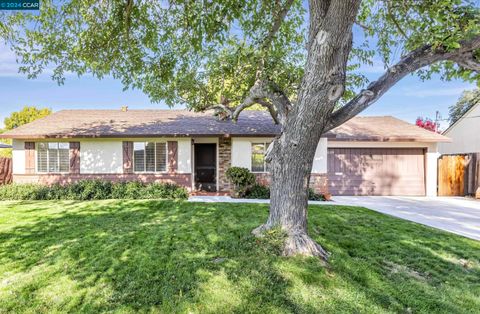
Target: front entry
point(205, 167)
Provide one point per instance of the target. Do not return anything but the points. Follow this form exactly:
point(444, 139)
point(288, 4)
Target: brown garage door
point(376, 171)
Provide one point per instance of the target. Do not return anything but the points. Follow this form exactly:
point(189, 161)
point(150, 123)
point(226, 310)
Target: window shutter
point(75, 157)
point(172, 156)
point(29, 157)
point(127, 157)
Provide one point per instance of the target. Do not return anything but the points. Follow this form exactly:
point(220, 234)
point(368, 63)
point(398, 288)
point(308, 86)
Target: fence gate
point(5, 170)
point(451, 175)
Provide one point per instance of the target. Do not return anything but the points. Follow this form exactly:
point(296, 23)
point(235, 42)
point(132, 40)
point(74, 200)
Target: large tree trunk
point(291, 158)
point(289, 198)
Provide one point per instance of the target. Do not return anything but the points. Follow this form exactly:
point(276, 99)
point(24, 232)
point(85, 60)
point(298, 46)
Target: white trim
point(265, 148)
point(48, 158)
point(145, 157)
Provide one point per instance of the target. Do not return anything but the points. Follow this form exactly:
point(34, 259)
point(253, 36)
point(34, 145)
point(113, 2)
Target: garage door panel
point(376, 171)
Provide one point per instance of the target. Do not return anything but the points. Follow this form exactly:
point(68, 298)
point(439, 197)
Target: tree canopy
point(24, 116)
point(201, 53)
point(464, 103)
point(18, 118)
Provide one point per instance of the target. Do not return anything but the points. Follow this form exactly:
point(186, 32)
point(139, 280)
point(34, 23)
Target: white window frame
point(145, 157)
point(265, 145)
point(48, 158)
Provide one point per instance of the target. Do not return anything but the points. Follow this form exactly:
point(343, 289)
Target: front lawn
point(165, 256)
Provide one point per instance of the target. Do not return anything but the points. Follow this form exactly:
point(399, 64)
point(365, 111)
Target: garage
point(376, 171)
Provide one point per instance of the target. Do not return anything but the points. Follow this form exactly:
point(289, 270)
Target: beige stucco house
point(365, 156)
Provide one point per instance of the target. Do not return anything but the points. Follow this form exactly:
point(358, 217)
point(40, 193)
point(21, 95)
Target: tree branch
point(277, 22)
point(267, 42)
point(412, 62)
point(278, 105)
point(468, 61)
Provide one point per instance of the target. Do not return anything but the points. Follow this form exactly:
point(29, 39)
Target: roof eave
point(92, 136)
point(390, 139)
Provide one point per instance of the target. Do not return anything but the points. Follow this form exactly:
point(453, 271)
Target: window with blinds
point(149, 156)
point(258, 157)
point(53, 157)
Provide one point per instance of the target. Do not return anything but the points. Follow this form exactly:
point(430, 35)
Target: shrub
point(241, 179)
point(258, 191)
point(93, 190)
point(312, 196)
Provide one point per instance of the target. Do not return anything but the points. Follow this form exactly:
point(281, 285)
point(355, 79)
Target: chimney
point(124, 108)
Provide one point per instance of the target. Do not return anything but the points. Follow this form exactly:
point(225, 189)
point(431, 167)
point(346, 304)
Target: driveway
point(454, 214)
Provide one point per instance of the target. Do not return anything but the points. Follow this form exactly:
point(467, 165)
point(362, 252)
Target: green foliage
point(313, 196)
point(181, 52)
point(464, 103)
point(24, 116)
point(241, 179)
point(398, 27)
point(93, 190)
point(258, 191)
point(19, 118)
point(200, 52)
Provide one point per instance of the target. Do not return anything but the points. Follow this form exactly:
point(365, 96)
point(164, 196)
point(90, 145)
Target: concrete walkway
point(453, 214)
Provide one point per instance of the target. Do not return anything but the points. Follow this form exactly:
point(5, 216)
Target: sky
point(409, 99)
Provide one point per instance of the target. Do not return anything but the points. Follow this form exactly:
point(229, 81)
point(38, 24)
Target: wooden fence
point(5, 170)
point(458, 175)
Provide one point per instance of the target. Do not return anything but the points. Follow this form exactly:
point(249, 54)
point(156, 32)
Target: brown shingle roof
point(151, 123)
point(384, 129)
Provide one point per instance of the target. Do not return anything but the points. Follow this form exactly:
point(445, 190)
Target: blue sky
point(407, 100)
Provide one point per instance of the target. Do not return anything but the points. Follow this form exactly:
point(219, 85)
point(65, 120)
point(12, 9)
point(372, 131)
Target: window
point(149, 157)
point(258, 157)
point(53, 157)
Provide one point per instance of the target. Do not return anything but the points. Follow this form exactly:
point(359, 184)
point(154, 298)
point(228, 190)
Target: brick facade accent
point(318, 181)
point(183, 179)
point(224, 162)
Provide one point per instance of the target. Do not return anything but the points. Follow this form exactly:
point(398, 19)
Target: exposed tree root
point(258, 232)
point(297, 243)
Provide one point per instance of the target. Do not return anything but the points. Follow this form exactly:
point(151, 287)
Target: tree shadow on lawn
point(400, 265)
point(139, 256)
point(181, 257)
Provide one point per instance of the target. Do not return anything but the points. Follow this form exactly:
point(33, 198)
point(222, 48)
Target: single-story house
point(464, 134)
point(365, 156)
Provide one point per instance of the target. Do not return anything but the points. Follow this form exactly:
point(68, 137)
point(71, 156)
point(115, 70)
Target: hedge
point(93, 190)
point(258, 191)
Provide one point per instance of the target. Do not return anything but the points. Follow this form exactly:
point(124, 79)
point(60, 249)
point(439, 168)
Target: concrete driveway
point(453, 214)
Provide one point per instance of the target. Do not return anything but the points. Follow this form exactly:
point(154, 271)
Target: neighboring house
point(465, 134)
point(365, 156)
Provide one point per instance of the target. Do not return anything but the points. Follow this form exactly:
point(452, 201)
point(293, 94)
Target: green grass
point(166, 256)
